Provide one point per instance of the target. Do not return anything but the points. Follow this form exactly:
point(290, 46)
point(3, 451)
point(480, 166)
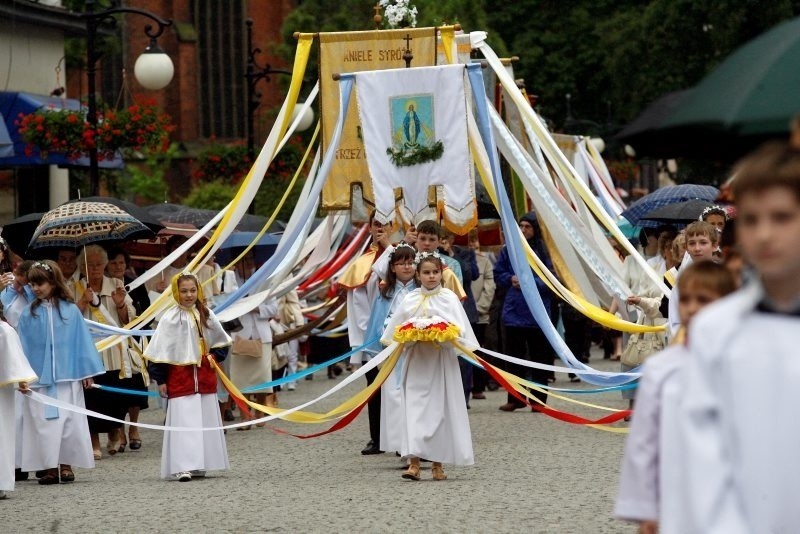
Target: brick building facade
point(207, 96)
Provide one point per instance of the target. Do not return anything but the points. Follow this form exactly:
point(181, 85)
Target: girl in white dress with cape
point(434, 423)
point(187, 337)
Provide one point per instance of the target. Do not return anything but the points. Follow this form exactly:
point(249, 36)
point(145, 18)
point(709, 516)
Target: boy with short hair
point(739, 424)
point(701, 242)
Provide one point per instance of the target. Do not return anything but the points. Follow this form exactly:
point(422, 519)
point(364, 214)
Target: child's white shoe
point(184, 476)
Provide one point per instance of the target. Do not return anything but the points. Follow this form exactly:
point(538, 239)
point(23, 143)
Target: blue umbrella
point(668, 195)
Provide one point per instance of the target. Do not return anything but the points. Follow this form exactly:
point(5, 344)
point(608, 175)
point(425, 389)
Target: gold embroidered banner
point(345, 52)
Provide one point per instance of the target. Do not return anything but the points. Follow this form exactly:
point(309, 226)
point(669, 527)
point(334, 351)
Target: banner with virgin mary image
point(415, 135)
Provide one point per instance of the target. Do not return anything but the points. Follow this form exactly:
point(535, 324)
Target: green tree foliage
point(211, 195)
point(615, 57)
point(145, 180)
point(357, 15)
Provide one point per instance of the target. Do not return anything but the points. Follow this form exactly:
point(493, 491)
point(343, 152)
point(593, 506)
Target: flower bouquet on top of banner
point(434, 329)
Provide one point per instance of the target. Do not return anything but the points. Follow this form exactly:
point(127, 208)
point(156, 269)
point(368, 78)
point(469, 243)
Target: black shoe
point(226, 416)
point(371, 448)
point(20, 475)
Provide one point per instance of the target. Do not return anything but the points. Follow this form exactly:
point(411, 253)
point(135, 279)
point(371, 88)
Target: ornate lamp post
point(254, 74)
point(153, 69)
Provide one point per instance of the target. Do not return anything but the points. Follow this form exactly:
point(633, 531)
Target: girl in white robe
point(652, 460)
point(61, 352)
point(14, 370)
point(187, 337)
point(435, 424)
point(398, 283)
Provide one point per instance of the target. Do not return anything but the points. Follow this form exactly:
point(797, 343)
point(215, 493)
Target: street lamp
point(153, 69)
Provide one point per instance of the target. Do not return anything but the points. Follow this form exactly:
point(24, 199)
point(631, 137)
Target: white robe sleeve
point(359, 306)
point(381, 265)
point(637, 497)
point(14, 366)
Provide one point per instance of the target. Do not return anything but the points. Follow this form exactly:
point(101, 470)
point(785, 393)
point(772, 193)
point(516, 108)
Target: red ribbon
point(556, 414)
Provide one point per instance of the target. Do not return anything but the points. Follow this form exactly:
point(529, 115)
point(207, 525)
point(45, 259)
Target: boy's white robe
point(14, 368)
point(435, 424)
point(739, 419)
point(651, 458)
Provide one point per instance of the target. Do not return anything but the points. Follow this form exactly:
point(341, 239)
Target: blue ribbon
point(279, 382)
point(515, 252)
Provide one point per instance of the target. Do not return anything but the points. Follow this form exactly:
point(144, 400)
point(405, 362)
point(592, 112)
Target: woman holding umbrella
point(104, 300)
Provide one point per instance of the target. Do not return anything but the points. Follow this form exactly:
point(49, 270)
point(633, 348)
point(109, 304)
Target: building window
point(221, 67)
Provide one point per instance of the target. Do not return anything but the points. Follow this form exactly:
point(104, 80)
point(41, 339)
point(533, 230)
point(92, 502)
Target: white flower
point(398, 11)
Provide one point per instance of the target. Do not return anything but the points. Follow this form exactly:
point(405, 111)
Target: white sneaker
point(290, 386)
point(199, 473)
point(184, 476)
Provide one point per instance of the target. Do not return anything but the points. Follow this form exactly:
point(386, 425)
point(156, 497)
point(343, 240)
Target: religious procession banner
point(415, 133)
point(347, 52)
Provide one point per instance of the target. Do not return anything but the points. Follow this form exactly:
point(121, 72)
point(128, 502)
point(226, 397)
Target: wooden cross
point(407, 55)
point(377, 18)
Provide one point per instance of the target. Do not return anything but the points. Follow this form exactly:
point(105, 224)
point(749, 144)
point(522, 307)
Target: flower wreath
point(422, 255)
point(713, 210)
point(401, 244)
point(433, 329)
point(43, 266)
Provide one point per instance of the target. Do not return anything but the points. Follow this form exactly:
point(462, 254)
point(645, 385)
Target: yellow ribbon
point(301, 416)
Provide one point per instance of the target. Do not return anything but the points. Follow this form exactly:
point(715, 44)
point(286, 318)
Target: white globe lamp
point(154, 68)
point(306, 120)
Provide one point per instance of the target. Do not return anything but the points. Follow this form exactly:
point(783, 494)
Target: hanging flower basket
point(141, 126)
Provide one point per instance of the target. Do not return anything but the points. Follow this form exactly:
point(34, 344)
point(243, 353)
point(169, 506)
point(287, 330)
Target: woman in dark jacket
point(524, 337)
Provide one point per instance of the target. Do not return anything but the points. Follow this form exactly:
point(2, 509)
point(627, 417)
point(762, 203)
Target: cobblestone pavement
point(532, 473)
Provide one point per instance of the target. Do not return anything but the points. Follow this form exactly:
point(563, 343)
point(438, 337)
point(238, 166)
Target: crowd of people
point(702, 456)
point(48, 349)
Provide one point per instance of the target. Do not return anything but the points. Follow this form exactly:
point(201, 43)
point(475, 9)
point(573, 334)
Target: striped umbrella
point(668, 195)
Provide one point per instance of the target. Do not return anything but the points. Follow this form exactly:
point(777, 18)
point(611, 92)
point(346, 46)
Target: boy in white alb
point(651, 457)
point(739, 424)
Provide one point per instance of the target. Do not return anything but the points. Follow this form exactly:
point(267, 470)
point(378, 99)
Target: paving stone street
point(532, 473)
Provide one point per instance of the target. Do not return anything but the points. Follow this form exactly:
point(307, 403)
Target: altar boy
point(740, 430)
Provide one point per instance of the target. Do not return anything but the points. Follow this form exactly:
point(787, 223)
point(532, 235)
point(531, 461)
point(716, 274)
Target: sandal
point(437, 472)
point(412, 473)
point(66, 474)
point(50, 477)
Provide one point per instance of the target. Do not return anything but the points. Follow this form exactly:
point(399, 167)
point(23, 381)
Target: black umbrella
point(19, 231)
point(135, 210)
point(680, 212)
point(199, 217)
